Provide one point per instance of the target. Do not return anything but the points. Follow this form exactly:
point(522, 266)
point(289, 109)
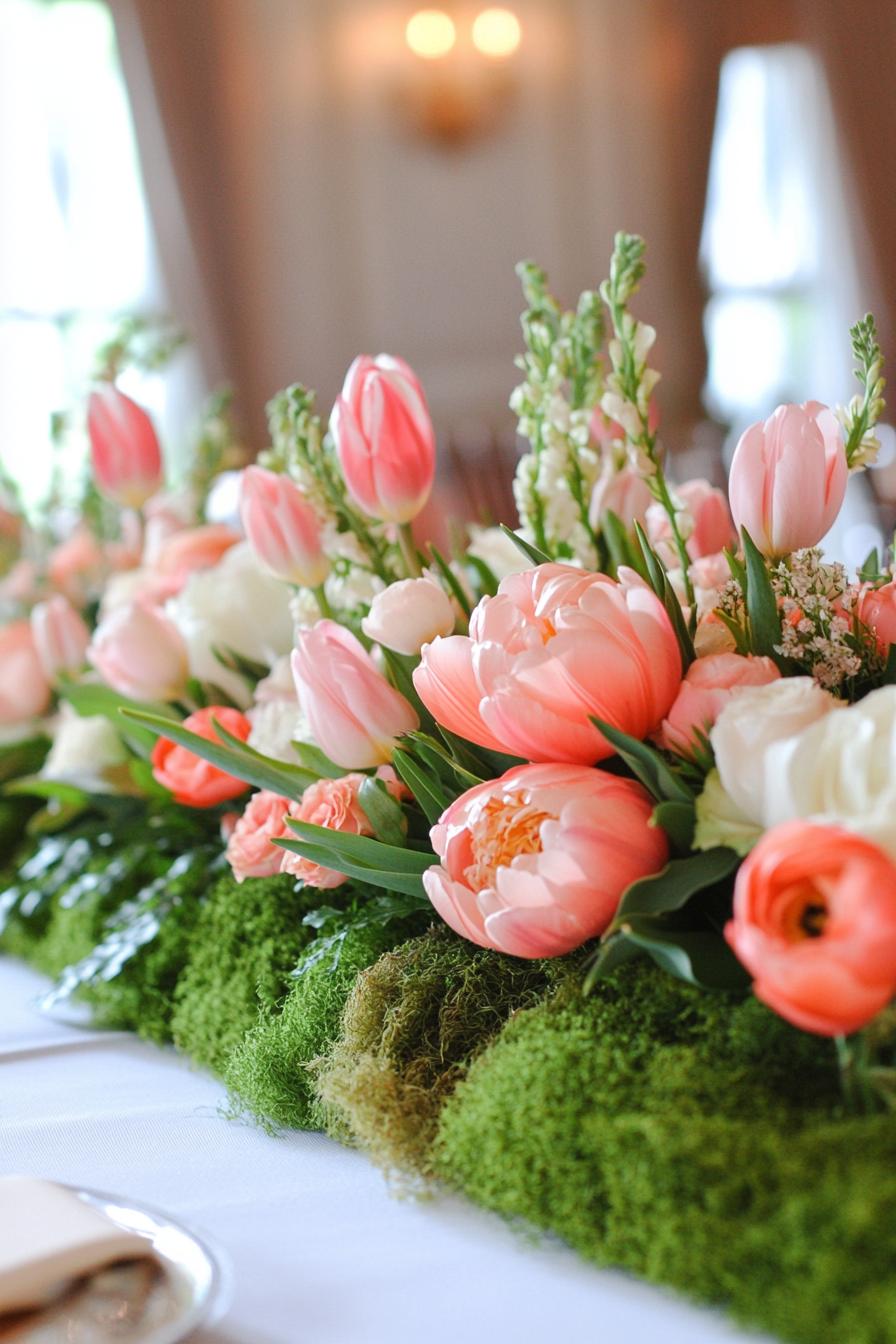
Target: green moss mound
point(268, 1073)
point(412, 1023)
point(694, 1141)
point(247, 940)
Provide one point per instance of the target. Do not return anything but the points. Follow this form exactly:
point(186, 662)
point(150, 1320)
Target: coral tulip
point(60, 636)
point(708, 685)
point(139, 652)
point(127, 462)
point(385, 439)
point(355, 716)
point(553, 647)
point(815, 925)
point(788, 478)
point(282, 528)
point(24, 689)
point(535, 863)
point(192, 780)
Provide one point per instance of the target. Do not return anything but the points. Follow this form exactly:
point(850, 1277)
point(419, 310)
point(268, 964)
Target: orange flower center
point(805, 911)
point(505, 828)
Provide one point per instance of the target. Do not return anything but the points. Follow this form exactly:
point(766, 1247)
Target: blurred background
point(295, 181)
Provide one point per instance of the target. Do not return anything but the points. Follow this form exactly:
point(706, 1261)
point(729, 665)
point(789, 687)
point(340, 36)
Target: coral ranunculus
point(193, 781)
point(250, 852)
point(552, 647)
point(535, 863)
point(815, 925)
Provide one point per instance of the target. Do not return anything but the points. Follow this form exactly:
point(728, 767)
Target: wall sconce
point(461, 80)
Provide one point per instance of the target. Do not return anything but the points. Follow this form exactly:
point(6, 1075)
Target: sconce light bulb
point(496, 33)
point(430, 33)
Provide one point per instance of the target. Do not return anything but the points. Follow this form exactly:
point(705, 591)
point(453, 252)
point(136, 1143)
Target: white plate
point(159, 1300)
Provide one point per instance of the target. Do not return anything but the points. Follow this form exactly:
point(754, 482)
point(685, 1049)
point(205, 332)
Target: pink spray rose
point(127, 461)
point(355, 716)
point(708, 685)
point(876, 609)
point(332, 803)
point(535, 863)
point(250, 852)
point(788, 478)
point(623, 492)
point(140, 653)
point(385, 439)
point(24, 689)
point(60, 636)
point(711, 528)
point(815, 925)
point(552, 647)
point(282, 528)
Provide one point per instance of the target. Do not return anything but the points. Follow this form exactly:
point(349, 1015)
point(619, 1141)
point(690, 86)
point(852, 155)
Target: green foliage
point(762, 605)
point(248, 939)
point(864, 411)
point(411, 1025)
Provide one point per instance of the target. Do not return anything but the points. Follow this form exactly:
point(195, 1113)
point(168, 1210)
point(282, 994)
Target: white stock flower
point(83, 749)
point(234, 606)
point(753, 722)
point(841, 771)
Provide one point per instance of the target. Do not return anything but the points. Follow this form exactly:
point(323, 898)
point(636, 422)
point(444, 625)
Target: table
point(320, 1251)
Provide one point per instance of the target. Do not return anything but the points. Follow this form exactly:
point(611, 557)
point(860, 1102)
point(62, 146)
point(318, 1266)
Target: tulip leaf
point(658, 580)
point(646, 764)
point(762, 605)
point(532, 553)
point(313, 759)
point(620, 546)
point(383, 812)
point(22, 758)
point(424, 785)
point(231, 755)
point(362, 849)
point(675, 885)
point(870, 569)
point(452, 582)
point(488, 580)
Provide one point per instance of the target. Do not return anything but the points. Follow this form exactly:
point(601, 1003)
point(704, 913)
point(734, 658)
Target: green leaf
point(391, 879)
point(619, 544)
point(488, 580)
point(401, 668)
point(532, 553)
point(615, 951)
point(425, 787)
point(890, 668)
point(383, 812)
point(678, 821)
point(59, 790)
point(248, 669)
point(232, 755)
point(698, 956)
point(762, 605)
point(658, 580)
point(675, 885)
point(646, 764)
point(89, 699)
point(870, 566)
point(313, 759)
point(452, 583)
point(361, 849)
point(22, 758)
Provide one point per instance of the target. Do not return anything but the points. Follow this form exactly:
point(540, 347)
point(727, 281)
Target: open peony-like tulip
point(788, 478)
point(535, 863)
point(355, 716)
point(385, 439)
point(124, 449)
point(282, 527)
point(24, 689)
point(60, 636)
point(552, 647)
point(193, 781)
point(815, 925)
point(708, 685)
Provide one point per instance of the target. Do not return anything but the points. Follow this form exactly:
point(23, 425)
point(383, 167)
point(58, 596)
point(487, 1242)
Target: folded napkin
point(49, 1236)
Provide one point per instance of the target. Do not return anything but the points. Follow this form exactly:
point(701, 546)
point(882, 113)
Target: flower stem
point(858, 1089)
point(409, 550)
point(323, 603)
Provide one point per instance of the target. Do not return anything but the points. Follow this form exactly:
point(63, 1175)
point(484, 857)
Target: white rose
point(83, 749)
point(409, 614)
point(751, 723)
point(840, 770)
point(234, 606)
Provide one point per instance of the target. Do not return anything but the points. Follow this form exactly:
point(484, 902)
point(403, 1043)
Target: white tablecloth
point(319, 1250)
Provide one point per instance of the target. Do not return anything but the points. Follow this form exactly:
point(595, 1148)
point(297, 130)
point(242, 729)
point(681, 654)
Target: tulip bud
point(127, 461)
point(140, 653)
point(788, 478)
point(24, 691)
point(409, 614)
point(60, 636)
point(385, 438)
point(354, 714)
point(282, 528)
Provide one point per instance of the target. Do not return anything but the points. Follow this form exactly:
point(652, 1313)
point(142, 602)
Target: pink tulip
point(788, 478)
point(355, 716)
point(282, 528)
point(77, 566)
point(140, 653)
point(127, 462)
point(712, 529)
point(876, 609)
point(554, 646)
point(708, 685)
point(60, 636)
point(534, 863)
point(195, 548)
point(623, 492)
point(250, 851)
point(385, 439)
point(24, 689)
point(815, 925)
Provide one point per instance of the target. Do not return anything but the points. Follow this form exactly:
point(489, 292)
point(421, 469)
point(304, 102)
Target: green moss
point(694, 1141)
point(268, 1072)
point(411, 1025)
point(248, 938)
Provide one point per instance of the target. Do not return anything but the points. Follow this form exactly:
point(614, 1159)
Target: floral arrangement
point(654, 719)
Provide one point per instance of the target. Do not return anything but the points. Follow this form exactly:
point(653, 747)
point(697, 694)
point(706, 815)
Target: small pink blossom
point(706, 689)
point(250, 852)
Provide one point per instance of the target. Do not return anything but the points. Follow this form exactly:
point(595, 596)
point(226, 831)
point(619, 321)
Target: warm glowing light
point(496, 32)
point(430, 33)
